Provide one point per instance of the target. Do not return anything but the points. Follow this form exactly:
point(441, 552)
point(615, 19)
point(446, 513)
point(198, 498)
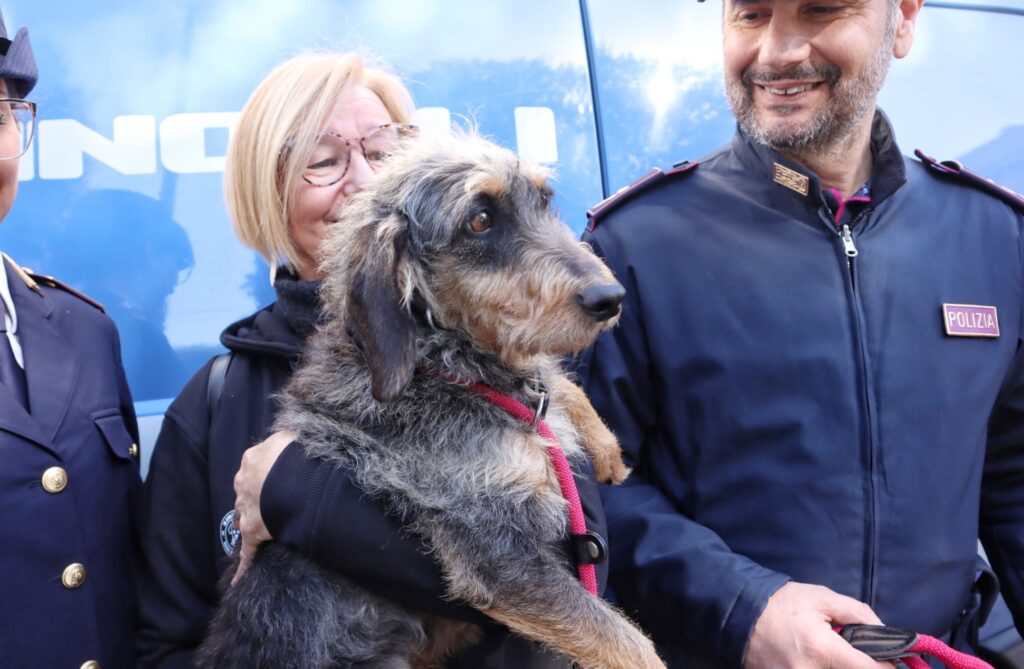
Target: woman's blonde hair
point(276, 132)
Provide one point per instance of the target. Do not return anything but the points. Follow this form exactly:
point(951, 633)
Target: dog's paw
point(652, 661)
point(631, 649)
point(607, 456)
point(646, 656)
point(611, 468)
point(597, 439)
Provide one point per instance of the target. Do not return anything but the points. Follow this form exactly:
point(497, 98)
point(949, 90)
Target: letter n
point(63, 142)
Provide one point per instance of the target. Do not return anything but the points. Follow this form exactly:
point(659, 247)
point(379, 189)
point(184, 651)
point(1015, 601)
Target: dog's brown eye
point(481, 222)
point(545, 198)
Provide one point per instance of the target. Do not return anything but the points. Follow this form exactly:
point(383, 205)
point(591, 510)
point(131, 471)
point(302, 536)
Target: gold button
point(55, 479)
point(91, 664)
point(73, 576)
point(133, 450)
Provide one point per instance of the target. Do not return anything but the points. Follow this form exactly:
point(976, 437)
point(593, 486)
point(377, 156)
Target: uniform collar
point(48, 355)
point(5, 295)
point(888, 172)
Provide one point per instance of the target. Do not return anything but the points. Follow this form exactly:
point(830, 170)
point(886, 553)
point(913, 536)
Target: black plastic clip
point(590, 548)
point(880, 642)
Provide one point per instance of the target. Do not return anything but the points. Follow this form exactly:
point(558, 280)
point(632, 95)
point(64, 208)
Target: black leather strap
point(880, 642)
point(215, 384)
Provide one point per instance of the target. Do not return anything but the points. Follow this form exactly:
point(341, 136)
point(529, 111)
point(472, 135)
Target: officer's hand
point(256, 464)
point(795, 631)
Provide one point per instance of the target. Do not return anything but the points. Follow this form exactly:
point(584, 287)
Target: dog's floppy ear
point(384, 331)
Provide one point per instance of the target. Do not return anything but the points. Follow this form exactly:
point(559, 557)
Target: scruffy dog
point(450, 270)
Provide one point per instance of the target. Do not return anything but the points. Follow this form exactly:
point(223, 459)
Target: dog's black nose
point(602, 301)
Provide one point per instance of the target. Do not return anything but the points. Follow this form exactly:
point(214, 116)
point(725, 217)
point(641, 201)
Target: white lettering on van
point(62, 144)
point(183, 141)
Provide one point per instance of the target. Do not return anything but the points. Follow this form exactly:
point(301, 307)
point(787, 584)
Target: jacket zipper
point(850, 250)
point(848, 245)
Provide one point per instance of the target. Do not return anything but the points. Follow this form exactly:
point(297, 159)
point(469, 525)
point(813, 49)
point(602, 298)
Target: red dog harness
point(577, 522)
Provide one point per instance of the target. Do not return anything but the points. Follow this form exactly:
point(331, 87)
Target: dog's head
point(461, 232)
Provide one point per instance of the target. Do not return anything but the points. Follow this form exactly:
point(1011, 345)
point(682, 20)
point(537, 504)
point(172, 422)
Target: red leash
point(929, 645)
point(577, 522)
point(891, 643)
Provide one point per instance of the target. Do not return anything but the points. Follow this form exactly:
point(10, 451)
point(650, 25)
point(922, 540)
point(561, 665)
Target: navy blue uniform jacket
point(82, 421)
point(794, 413)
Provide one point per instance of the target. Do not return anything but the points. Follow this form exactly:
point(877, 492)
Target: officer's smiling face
point(803, 75)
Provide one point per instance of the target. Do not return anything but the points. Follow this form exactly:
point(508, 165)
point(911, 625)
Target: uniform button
point(133, 450)
point(55, 479)
point(73, 576)
point(91, 664)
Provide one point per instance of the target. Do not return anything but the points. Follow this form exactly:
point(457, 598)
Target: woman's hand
point(256, 464)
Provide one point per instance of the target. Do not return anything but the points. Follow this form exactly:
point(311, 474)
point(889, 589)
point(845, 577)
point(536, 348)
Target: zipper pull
point(848, 245)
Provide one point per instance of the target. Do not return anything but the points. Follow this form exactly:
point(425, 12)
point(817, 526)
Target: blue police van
point(120, 194)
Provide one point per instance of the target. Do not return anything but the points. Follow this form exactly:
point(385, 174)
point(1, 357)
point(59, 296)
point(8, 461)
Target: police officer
point(68, 447)
point(819, 371)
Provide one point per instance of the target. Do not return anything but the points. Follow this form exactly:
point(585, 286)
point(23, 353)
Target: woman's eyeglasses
point(329, 161)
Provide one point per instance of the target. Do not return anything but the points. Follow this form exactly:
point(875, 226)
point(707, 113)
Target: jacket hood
point(265, 332)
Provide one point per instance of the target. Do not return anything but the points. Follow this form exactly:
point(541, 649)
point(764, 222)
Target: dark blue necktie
point(11, 374)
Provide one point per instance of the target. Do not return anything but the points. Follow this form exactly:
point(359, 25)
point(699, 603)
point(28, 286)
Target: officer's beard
point(833, 128)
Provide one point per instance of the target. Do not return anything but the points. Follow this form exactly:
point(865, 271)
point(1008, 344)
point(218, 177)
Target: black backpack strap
point(215, 384)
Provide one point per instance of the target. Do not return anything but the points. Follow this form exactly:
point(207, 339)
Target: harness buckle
point(589, 548)
point(542, 410)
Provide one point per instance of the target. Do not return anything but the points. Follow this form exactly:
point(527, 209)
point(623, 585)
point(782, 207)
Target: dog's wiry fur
point(418, 304)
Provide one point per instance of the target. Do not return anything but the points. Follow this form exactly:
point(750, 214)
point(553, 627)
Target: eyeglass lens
point(332, 154)
point(17, 125)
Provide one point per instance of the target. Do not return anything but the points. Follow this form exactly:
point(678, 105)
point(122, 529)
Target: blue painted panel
point(121, 194)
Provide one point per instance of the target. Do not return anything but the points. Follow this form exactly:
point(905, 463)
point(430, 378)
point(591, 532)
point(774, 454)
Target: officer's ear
point(906, 13)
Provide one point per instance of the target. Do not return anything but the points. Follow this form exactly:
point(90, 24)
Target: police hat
point(17, 65)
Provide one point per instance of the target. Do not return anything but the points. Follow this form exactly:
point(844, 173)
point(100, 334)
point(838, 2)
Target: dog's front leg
point(595, 437)
point(561, 614)
point(503, 558)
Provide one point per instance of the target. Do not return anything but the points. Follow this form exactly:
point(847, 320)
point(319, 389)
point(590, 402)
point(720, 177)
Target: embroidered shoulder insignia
point(624, 194)
point(34, 280)
point(954, 169)
point(791, 179)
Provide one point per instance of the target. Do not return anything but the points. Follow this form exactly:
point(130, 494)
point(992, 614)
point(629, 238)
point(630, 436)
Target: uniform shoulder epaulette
point(47, 280)
point(32, 280)
point(624, 194)
point(954, 169)
point(21, 273)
